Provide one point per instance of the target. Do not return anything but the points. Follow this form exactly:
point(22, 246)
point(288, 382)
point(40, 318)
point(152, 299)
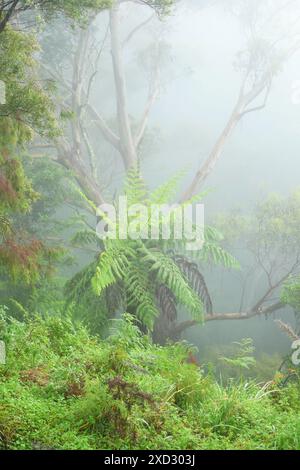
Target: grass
point(63, 389)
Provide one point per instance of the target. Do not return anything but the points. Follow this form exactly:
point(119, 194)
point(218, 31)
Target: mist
point(168, 104)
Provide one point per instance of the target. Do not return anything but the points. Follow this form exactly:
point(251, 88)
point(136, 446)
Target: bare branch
point(151, 99)
point(137, 28)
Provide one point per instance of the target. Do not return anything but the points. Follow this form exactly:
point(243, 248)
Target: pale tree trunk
point(214, 156)
point(127, 146)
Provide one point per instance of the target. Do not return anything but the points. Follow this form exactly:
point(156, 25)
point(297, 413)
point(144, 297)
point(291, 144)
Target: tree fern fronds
point(212, 253)
point(135, 188)
point(77, 286)
point(196, 281)
point(95, 310)
point(196, 198)
point(85, 237)
point(114, 297)
point(167, 302)
point(113, 264)
point(211, 234)
point(140, 294)
point(23, 312)
point(167, 191)
point(84, 198)
point(168, 273)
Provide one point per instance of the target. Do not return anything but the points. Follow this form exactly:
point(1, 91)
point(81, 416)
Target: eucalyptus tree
point(272, 38)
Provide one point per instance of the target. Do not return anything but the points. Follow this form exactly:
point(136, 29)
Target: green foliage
point(63, 389)
point(291, 293)
point(27, 109)
point(262, 366)
point(26, 104)
point(243, 357)
point(141, 267)
point(272, 228)
point(75, 10)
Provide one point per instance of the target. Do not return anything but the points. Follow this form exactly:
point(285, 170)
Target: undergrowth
point(63, 389)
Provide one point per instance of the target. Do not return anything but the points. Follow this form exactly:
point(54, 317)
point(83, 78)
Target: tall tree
point(268, 50)
point(77, 150)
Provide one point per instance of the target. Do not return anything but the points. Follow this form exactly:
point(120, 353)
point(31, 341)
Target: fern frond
point(113, 264)
point(140, 294)
point(213, 253)
point(94, 310)
point(196, 281)
point(211, 234)
point(78, 285)
point(167, 302)
point(168, 273)
point(135, 187)
point(5, 227)
point(85, 237)
point(167, 191)
point(196, 198)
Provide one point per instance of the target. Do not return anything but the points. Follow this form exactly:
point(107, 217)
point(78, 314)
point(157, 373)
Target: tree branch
point(8, 14)
point(181, 327)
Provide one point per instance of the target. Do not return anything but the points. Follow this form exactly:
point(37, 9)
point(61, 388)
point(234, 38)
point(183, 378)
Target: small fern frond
point(85, 237)
point(196, 198)
point(135, 187)
point(211, 234)
point(5, 227)
point(212, 253)
point(167, 191)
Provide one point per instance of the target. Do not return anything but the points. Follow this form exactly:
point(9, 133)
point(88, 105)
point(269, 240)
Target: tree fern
point(150, 278)
point(168, 273)
point(140, 294)
point(85, 237)
point(113, 264)
point(167, 191)
point(135, 189)
point(196, 281)
point(215, 254)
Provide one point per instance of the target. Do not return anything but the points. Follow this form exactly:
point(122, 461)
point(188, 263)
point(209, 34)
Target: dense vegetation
point(94, 327)
point(63, 389)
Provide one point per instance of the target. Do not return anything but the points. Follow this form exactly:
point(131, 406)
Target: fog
point(183, 71)
point(199, 87)
point(149, 227)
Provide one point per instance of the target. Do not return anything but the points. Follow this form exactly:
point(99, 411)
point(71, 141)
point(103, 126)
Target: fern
point(167, 272)
point(196, 281)
point(5, 227)
point(149, 278)
point(215, 254)
point(140, 294)
point(112, 265)
point(167, 191)
point(85, 237)
point(243, 357)
point(135, 189)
